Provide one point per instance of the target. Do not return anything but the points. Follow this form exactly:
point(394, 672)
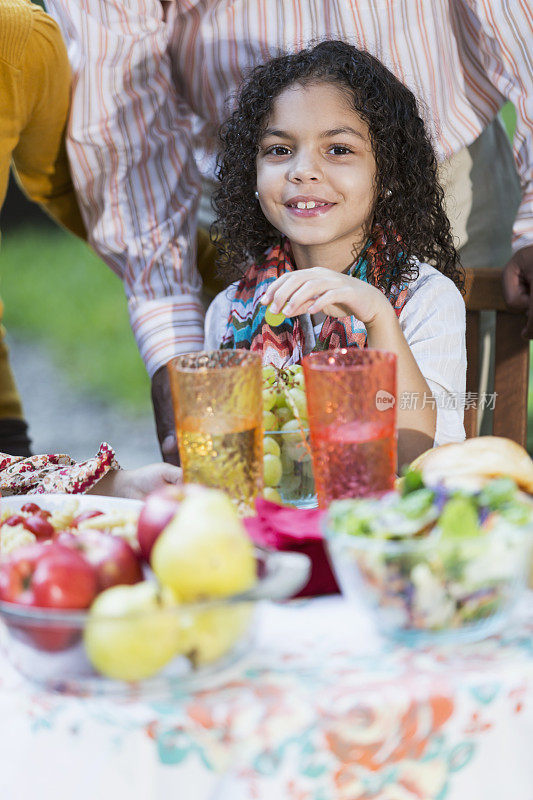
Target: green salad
point(436, 558)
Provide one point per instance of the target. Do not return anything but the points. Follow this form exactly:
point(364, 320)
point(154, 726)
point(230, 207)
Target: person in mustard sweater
point(34, 103)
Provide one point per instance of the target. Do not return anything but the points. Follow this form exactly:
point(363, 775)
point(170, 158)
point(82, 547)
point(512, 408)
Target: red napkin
point(296, 529)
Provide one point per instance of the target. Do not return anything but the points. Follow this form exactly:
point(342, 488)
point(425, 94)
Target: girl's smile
point(316, 175)
point(308, 206)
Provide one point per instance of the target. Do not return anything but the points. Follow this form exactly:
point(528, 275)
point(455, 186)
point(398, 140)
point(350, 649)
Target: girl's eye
point(278, 150)
point(339, 150)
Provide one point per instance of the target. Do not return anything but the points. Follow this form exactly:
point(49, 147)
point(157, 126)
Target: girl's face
point(316, 175)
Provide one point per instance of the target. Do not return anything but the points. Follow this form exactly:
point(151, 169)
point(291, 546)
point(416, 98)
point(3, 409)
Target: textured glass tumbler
point(351, 399)
point(218, 412)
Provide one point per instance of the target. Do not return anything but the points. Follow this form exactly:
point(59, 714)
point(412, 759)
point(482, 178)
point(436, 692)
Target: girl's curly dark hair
point(408, 209)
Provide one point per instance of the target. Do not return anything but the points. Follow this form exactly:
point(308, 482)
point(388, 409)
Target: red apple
point(38, 524)
point(113, 559)
point(34, 520)
point(14, 519)
point(47, 576)
point(85, 515)
point(158, 509)
point(30, 508)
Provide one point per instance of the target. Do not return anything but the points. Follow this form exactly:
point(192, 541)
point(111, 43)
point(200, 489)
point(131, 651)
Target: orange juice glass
point(218, 413)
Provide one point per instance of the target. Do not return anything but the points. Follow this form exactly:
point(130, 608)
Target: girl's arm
point(416, 420)
point(429, 341)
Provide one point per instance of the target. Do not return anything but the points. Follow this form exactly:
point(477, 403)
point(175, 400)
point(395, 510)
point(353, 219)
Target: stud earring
point(388, 193)
point(256, 193)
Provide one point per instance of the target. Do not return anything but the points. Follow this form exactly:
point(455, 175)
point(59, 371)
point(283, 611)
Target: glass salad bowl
point(434, 566)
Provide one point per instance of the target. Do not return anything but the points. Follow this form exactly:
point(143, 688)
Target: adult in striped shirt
point(153, 81)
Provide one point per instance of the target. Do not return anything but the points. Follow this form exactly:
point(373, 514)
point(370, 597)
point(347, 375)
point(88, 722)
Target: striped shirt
point(150, 92)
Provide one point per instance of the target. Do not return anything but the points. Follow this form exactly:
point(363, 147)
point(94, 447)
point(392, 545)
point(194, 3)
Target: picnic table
point(321, 708)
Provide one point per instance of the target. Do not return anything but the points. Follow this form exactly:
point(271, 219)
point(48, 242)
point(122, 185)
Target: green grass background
point(57, 290)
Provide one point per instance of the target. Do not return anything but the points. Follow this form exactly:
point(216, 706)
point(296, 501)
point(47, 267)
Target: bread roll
point(470, 464)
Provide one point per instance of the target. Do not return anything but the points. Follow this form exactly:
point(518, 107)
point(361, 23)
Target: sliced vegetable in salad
point(417, 510)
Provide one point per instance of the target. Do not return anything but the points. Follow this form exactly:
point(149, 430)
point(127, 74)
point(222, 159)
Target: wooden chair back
point(511, 357)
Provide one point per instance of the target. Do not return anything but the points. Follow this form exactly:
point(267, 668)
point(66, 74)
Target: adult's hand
point(518, 285)
point(164, 416)
point(137, 483)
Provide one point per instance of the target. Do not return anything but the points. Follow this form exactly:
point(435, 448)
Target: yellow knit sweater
point(34, 104)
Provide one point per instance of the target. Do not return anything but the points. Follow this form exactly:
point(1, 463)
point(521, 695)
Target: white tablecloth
point(320, 709)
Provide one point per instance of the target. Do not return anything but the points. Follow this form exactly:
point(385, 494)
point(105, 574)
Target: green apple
point(132, 631)
point(204, 551)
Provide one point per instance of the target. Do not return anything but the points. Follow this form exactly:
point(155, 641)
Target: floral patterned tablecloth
point(320, 709)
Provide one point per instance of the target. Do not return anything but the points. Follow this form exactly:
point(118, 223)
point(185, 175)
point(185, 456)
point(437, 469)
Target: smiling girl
point(330, 211)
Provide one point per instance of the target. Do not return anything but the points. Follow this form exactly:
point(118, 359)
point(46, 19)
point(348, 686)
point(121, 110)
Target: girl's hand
point(137, 483)
point(320, 289)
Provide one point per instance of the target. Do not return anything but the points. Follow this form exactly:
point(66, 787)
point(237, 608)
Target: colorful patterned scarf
point(283, 344)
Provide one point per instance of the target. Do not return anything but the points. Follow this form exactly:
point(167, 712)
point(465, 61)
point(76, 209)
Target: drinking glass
point(351, 399)
point(218, 411)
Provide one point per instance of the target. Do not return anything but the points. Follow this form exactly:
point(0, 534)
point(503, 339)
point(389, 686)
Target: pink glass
point(351, 399)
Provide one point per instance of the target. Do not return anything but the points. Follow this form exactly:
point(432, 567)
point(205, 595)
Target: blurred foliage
point(57, 290)
point(508, 115)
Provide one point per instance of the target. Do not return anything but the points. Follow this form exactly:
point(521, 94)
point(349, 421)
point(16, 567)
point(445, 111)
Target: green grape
point(296, 397)
point(269, 398)
point(269, 493)
point(274, 319)
point(283, 415)
point(291, 431)
point(281, 400)
point(269, 375)
point(293, 441)
point(271, 446)
point(296, 379)
point(287, 463)
point(270, 422)
point(271, 470)
point(290, 484)
point(307, 468)
point(302, 454)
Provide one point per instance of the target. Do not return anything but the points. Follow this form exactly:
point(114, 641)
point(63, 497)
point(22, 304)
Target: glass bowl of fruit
point(288, 466)
point(96, 607)
point(434, 564)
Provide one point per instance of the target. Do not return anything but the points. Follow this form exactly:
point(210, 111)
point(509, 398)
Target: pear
point(204, 551)
point(211, 633)
point(133, 631)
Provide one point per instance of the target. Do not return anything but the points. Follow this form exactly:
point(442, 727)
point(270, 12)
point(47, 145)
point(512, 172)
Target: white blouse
point(433, 321)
